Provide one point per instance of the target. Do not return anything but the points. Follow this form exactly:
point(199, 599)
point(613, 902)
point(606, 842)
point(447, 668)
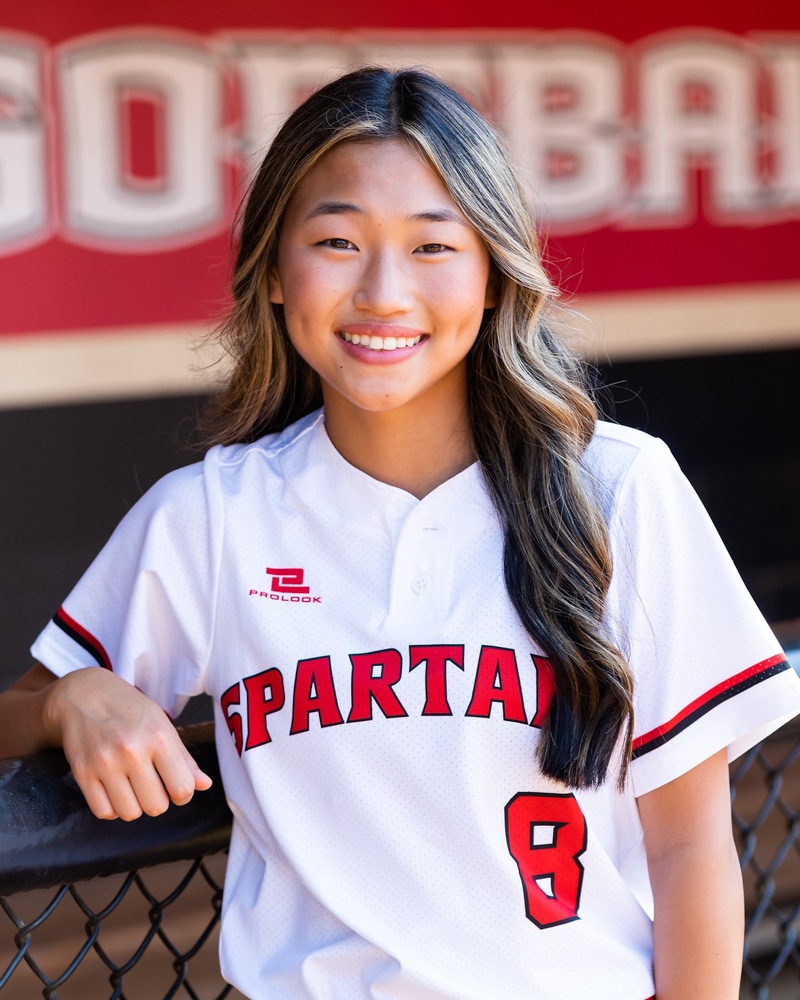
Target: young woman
point(478, 659)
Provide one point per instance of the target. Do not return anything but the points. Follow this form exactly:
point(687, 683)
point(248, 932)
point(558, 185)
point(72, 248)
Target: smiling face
point(383, 283)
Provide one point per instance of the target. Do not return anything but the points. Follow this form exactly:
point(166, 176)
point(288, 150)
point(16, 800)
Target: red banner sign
point(666, 160)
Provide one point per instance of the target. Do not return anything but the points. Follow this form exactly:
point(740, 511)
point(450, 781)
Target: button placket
point(425, 553)
point(415, 578)
point(424, 580)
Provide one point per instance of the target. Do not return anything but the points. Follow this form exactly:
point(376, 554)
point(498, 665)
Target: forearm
point(697, 886)
point(25, 725)
point(699, 924)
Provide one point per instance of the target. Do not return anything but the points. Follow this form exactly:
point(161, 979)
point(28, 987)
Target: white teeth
point(375, 343)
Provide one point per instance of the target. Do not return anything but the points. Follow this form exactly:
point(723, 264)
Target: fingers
point(97, 799)
point(179, 774)
point(125, 754)
point(147, 788)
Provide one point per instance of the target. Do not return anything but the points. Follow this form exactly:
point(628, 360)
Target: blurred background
point(660, 145)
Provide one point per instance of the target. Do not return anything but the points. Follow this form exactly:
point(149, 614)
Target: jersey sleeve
point(145, 607)
point(708, 672)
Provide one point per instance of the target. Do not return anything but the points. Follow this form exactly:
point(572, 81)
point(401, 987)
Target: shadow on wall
point(733, 423)
point(71, 473)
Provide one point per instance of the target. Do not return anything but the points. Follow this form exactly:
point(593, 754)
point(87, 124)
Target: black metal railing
point(65, 933)
point(141, 931)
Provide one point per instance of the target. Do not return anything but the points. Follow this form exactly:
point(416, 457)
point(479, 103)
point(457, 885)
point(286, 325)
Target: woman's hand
point(125, 754)
point(697, 885)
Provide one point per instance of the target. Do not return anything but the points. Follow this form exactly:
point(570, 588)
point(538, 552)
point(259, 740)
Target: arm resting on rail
point(124, 752)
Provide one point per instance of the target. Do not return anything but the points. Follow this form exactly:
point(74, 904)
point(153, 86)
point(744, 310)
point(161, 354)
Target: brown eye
point(337, 243)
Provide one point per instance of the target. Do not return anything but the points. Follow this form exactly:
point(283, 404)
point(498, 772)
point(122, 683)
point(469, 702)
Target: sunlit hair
point(530, 413)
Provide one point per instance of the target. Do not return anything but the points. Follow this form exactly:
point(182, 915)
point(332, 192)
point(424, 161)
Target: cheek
point(462, 295)
point(311, 290)
point(306, 346)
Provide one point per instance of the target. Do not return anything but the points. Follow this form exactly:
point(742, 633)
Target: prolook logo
point(286, 584)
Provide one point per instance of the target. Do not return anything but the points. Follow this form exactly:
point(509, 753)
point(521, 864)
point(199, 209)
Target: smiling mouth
point(375, 343)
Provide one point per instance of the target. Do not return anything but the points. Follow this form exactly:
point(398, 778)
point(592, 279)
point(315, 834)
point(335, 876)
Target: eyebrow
point(346, 207)
point(438, 215)
point(333, 208)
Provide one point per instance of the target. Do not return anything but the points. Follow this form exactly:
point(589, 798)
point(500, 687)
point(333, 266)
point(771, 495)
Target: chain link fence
point(765, 787)
point(143, 933)
point(147, 934)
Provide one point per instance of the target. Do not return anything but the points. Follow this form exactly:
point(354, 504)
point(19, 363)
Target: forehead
point(371, 174)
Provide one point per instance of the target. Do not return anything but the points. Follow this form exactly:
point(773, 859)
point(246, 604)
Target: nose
point(384, 286)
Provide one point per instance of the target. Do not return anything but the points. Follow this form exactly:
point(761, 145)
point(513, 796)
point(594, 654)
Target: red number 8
point(554, 862)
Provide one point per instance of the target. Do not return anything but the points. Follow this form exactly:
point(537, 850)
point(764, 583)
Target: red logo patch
point(287, 581)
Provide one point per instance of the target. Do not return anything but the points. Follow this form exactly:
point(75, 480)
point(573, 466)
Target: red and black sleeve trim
point(77, 632)
point(727, 689)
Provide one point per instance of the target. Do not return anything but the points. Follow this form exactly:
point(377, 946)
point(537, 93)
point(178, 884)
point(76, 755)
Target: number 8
point(554, 862)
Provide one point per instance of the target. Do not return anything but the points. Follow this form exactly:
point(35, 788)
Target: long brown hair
point(531, 414)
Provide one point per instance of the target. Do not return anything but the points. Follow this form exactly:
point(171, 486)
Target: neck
point(412, 451)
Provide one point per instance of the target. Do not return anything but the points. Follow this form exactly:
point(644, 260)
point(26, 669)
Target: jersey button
point(420, 584)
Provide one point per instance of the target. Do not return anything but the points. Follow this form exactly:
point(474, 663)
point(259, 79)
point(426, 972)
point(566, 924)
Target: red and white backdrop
point(661, 149)
point(660, 145)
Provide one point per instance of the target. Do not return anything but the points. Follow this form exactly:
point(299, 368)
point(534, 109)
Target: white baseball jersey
point(378, 705)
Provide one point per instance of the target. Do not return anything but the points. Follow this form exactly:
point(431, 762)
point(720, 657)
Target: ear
point(275, 290)
point(492, 288)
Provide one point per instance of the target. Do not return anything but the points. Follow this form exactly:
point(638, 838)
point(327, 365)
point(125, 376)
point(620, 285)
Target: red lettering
point(546, 835)
point(436, 659)
point(259, 706)
point(545, 689)
point(497, 679)
point(367, 685)
point(232, 719)
point(314, 692)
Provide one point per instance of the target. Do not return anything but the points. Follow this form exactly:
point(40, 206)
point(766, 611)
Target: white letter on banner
point(462, 64)
point(561, 108)
point(698, 106)
point(276, 78)
point(783, 63)
point(102, 205)
point(279, 75)
point(23, 184)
